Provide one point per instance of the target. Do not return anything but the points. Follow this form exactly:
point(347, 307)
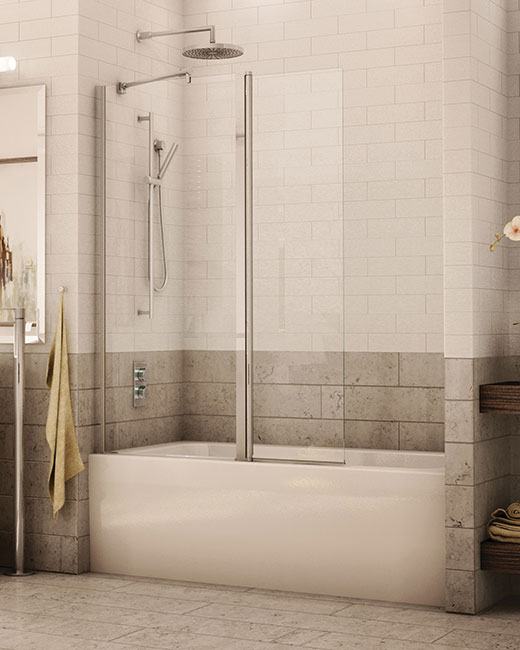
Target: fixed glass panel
point(210, 283)
point(297, 287)
point(170, 374)
point(143, 351)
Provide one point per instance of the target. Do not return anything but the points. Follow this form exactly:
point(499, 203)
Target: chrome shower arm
point(142, 36)
point(123, 86)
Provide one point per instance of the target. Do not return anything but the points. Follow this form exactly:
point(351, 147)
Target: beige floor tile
point(98, 612)
point(325, 623)
point(24, 640)
point(481, 640)
point(169, 622)
point(91, 629)
point(355, 642)
point(435, 618)
point(25, 604)
point(161, 638)
point(249, 599)
point(113, 599)
point(301, 638)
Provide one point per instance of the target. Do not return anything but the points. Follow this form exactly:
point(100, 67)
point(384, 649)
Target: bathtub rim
point(437, 468)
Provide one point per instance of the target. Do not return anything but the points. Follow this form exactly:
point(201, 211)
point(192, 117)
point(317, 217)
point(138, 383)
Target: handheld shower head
point(167, 160)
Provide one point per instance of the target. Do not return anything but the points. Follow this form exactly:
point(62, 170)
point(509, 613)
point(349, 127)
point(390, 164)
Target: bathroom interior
point(281, 237)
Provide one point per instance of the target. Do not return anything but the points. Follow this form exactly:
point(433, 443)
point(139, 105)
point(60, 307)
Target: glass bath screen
point(132, 337)
point(298, 406)
point(188, 346)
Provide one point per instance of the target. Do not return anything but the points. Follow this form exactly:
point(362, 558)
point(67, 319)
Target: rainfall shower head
point(213, 51)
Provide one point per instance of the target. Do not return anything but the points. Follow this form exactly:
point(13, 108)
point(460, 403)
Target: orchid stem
point(498, 238)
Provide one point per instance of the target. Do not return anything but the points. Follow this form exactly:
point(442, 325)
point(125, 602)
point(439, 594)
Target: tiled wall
point(480, 162)
point(211, 212)
point(389, 54)
point(400, 394)
point(298, 216)
point(127, 167)
point(374, 400)
point(160, 418)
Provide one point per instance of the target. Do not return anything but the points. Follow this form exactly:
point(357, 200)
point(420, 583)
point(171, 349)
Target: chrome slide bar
point(151, 185)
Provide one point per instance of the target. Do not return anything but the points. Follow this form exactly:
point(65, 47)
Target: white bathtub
point(373, 528)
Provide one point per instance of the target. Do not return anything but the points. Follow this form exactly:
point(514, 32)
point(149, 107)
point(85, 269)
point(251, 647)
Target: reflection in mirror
point(22, 209)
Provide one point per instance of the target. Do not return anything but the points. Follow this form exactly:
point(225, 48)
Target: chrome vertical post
point(19, 387)
point(103, 215)
point(248, 192)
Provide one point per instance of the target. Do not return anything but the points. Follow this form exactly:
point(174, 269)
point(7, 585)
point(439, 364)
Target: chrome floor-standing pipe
point(19, 389)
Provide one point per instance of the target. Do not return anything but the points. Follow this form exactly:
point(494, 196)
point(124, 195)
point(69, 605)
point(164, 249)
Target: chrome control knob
point(139, 392)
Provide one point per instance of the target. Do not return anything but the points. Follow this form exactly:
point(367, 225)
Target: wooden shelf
point(499, 556)
point(500, 398)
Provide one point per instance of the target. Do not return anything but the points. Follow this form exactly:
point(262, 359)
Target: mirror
point(22, 209)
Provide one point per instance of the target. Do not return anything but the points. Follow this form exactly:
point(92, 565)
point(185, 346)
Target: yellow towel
point(65, 458)
point(502, 532)
point(511, 513)
point(513, 510)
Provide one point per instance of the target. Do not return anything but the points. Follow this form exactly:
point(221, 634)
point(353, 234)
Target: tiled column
point(477, 482)
point(479, 143)
point(50, 546)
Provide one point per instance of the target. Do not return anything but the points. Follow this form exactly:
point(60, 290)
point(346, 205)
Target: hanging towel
point(65, 458)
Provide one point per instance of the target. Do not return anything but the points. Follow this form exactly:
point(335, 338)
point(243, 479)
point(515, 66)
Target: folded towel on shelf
point(513, 510)
point(509, 513)
point(502, 532)
point(500, 514)
point(61, 436)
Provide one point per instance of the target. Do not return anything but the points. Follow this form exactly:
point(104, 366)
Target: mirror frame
point(34, 330)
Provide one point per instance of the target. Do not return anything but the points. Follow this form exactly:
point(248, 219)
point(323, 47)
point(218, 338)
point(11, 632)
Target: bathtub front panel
point(363, 532)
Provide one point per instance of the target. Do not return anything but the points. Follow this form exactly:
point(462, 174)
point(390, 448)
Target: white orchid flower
point(511, 231)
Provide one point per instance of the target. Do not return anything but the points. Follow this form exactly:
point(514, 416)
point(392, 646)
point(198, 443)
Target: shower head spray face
point(213, 51)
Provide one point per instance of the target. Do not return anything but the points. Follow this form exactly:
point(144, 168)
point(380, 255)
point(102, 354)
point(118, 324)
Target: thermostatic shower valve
point(140, 388)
